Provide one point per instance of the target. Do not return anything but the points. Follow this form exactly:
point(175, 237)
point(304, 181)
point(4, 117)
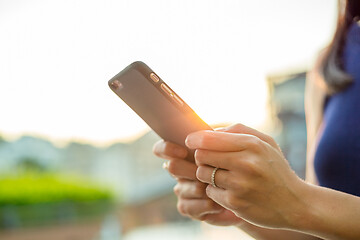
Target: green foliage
point(29, 164)
point(31, 188)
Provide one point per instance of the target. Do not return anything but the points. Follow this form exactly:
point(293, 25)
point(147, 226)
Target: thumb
point(242, 129)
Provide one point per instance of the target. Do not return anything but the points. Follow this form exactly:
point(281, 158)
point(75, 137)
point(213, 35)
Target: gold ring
point(213, 177)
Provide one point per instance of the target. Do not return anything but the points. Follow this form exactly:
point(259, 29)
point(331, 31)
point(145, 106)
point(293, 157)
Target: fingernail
point(189, 140)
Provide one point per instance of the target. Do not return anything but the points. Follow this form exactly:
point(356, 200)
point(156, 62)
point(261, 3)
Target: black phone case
point(157, 104)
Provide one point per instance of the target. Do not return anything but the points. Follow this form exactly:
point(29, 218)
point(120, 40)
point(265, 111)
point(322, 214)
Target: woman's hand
point(192, 199)
point(254, 180)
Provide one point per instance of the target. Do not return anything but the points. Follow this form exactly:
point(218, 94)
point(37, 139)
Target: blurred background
point(77, 163)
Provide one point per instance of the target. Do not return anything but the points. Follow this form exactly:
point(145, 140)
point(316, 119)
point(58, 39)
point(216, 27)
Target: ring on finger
point(213, 183)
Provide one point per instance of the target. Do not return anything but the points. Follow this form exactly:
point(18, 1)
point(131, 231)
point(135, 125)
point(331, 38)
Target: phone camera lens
point(116, 84)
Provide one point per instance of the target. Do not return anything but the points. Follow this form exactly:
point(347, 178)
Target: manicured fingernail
point(190, 139)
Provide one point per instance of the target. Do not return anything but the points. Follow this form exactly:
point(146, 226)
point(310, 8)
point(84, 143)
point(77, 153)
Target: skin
point(193, 200)
point(257, 191)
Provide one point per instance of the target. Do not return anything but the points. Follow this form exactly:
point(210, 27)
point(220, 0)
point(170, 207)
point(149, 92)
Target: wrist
point(300, 216)
point(328, 213)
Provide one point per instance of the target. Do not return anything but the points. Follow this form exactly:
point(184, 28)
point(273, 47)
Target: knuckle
point(206, 139)
point(270, 140)
point(199, 155)
point(253, 167)
point(167, 149)
point(209, 205)
point(173, 168)
point(254, 143)
point(164, 149)
point(237, 126)
point(181, 208)
point(244, 190)
point(202, 217)
point(199, 189)
point(237, 204)
point(233, 159)
point(238, 184)
point(177, 189)
point(232, 201)
point(231, 181)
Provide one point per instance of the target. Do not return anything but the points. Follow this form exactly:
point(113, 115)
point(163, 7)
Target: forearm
point(260, 233)
point(329, 214)
point(322, 212)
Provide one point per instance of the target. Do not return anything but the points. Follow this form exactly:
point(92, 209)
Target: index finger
point(222, 141)
point(240, 128)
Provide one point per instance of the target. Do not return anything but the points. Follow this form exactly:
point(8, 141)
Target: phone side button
point(154, 77)
point(166, 89)
point(178, 100)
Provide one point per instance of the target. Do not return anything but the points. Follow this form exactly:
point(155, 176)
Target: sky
point(56, 57)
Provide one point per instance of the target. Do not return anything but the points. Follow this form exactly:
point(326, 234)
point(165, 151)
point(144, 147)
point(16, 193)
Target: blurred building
point(288, 117)
point(136, 175)
point(29, 150)
point(130, 169)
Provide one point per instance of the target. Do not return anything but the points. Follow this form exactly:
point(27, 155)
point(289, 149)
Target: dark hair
point(331, 66)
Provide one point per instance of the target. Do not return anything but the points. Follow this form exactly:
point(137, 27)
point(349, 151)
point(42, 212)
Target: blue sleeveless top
point(337, 158)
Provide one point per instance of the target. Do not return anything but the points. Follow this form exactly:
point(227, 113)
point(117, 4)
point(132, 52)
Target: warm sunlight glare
point(57, 56)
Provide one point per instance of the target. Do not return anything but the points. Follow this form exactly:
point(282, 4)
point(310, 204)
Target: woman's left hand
point(254, 180)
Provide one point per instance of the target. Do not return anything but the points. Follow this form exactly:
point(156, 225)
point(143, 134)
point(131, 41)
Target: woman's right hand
point(194, 203)
point(192, 199)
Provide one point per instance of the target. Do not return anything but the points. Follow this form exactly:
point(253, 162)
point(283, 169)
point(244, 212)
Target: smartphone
point(157, 104)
